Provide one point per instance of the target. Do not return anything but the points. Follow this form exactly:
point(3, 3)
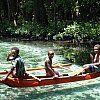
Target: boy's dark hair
point(16, 49)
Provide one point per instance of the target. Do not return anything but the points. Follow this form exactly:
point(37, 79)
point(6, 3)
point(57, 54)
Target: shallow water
point(34, 54)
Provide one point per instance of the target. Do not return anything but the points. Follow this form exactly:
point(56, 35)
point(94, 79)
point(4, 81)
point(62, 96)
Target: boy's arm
point(95, 61)
point(9, 57)
point(50, 69)
point(9, 73)
point(97, 58)
point(91, 57)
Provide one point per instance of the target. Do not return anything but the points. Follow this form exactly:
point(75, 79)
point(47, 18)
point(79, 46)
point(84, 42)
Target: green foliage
point(76, 30)
point(55, 17)
point(78, 55)
point(81, 30)
point(27, 5)
point(24, 28)
point(30, 29)
point(6, 27)
point(55, 27)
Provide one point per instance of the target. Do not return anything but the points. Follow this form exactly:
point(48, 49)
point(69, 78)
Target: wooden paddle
point(54, 66)
point(41, 68)
point(77, 72)
point(65, 68)
point(4, 72)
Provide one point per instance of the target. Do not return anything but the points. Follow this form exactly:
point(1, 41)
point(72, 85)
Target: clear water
point(34, 54)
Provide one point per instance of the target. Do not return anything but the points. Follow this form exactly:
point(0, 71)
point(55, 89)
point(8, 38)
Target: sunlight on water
point(34, 54)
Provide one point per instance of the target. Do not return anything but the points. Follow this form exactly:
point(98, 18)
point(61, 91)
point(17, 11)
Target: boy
point(48, 65)
point(17, 63)
point(94, 66)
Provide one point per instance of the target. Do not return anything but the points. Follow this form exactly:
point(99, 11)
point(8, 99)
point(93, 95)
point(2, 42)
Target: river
point(34, 54)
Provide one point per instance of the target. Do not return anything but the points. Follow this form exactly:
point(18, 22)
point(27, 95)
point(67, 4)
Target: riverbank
point(61, 42)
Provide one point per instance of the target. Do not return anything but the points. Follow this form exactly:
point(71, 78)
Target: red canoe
point(31, 82)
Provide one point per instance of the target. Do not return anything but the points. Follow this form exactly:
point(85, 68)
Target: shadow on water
point(47, 95)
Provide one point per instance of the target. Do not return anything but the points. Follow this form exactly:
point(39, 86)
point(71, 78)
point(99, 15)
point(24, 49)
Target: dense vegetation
point(79, 55)
point(75, 20)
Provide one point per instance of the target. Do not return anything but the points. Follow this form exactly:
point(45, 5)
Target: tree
point(40, 12)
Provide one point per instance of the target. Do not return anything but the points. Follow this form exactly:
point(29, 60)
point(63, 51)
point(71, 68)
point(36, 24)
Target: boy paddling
point(17, 65)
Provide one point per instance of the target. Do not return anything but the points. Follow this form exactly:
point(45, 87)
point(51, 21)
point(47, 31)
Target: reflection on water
point(34, 54)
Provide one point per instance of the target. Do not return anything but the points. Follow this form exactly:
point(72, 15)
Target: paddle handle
point(41, 68)
point(54, 66)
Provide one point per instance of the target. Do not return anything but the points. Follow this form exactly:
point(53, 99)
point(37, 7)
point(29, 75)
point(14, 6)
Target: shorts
point(49, 74)
point(94, 68)
point(17, 76)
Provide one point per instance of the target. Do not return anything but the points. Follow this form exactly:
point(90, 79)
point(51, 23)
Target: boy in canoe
point(94, 66)
point(48, 65)
point(17, 63)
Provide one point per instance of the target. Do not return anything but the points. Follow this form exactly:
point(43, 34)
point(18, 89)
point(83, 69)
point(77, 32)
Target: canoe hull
point(31, 82)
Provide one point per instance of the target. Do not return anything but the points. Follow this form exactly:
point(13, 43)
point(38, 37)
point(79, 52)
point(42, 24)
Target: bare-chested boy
point(48, 65)
point(94, 66)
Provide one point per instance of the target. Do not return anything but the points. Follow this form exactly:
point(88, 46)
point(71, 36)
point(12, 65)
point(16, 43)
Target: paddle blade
point(4, 72)
point(65, 65)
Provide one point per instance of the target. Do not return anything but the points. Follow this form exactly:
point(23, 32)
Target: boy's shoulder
point(18, 58)
point(47, 59)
